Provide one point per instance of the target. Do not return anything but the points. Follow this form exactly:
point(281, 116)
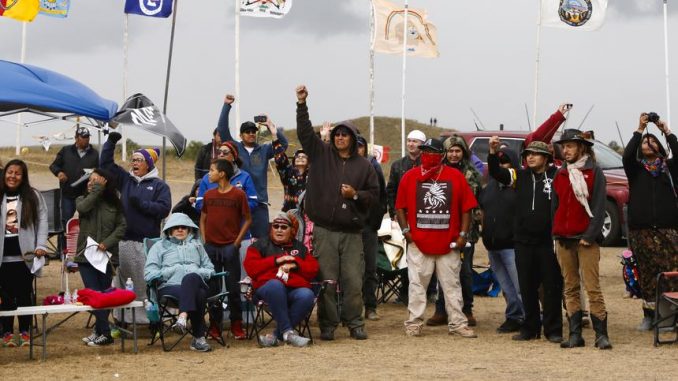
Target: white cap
point(418, 135)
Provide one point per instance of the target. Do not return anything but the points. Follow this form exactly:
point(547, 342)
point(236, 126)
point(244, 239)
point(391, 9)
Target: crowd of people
point(538, 215)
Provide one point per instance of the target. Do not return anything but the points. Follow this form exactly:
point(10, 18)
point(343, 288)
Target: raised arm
point(547, 129)
point(631, 164)
point(106, 160)
point(222, 126)
point(502, 175)
point(309, 141)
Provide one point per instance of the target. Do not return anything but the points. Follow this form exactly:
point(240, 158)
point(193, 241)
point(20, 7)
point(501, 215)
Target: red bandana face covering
point(430, 164)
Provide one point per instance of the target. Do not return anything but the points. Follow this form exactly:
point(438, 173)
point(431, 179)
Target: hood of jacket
point(354, 133)
point(456, 140)
point(179, 219)
point(152, 174)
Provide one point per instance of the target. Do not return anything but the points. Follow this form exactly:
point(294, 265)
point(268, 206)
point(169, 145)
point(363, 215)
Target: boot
point(646, 324)
point(600, 327)
point(575, 339)
point(437, 319)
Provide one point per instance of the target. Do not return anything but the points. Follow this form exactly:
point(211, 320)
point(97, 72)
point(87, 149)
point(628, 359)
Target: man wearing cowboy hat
point(578, 209)
point(536, 262)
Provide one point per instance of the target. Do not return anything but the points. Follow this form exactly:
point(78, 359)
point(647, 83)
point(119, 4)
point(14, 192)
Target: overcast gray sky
point(487, 54)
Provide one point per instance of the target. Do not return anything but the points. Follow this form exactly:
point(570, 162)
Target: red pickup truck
point(614, 227)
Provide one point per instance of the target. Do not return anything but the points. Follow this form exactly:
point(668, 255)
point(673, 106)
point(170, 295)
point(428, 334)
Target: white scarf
point(581, 190)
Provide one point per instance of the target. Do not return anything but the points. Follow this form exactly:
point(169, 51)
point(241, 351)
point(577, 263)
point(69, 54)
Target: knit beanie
point(150, 155)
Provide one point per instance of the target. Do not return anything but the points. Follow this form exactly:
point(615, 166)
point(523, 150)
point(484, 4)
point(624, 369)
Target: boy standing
point(224, 221)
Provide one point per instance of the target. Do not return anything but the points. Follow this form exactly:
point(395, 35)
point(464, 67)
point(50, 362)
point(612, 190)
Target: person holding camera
point(578, 209)
point(255, 159)
point(653, 207)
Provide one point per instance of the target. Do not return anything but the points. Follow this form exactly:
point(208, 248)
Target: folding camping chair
point(391, 263)
point(168, 312)
point(261, 317)
point(666, 307)
point(55, 226)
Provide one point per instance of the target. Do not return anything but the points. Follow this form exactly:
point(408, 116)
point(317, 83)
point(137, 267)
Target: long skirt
point(656, 250)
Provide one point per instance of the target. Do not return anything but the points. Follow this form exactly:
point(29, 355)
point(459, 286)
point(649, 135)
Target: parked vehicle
point(614, 227)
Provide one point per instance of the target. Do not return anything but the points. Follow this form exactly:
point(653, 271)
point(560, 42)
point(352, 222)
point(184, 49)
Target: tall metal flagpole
point(402, 122)
point(237, 64)
point(536, 67)
point(169, 67)
point(125, 48)
point(666, 63)
point(23, 59)
point(372, 31)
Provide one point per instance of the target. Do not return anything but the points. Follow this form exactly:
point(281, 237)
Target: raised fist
point(114, 137)
point(302, 93)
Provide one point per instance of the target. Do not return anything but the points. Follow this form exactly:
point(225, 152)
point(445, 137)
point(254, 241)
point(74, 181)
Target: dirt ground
point(388, 354)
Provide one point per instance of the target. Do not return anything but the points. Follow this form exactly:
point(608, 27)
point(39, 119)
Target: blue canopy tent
point(27, 88)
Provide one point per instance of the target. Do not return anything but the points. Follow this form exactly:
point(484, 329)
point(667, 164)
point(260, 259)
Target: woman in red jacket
point(281, 270)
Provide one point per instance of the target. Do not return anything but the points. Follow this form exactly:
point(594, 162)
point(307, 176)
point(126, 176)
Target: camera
point(652, 117)
point(568, 105)
point(260, 119)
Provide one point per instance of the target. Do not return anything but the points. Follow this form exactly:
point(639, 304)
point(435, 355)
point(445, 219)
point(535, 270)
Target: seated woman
point(180, 262)
point(281, 270)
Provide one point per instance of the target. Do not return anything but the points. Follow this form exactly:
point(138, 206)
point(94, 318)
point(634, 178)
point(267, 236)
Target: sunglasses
point(181, 227)
point(280, 226)
point(250, 132)
point(342, 133)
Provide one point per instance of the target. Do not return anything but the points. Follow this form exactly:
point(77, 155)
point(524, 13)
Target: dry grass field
point(388, 354)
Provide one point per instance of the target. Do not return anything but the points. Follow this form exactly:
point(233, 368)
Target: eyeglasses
point(224, 151)
point(137, 160)
point(250, 132)
point(280, 226)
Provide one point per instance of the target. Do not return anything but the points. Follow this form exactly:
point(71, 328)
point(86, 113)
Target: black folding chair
point(666, 307)
point(390, 278)
point(168, 309)
point(55, 225)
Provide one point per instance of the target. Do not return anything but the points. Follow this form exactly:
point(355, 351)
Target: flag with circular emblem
point(22, 10)
point(584, 15)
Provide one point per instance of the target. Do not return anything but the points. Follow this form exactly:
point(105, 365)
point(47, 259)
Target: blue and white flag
point(584, 15)
point(265, 8)
point(55, 8)
point(151, 8)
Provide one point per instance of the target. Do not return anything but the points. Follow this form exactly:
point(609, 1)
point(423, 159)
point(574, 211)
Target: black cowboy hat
point(574, 135)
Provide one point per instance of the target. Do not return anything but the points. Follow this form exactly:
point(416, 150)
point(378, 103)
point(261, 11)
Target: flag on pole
point(584, 15)
point(265, 8)
point(55, 8)
point(152, 8)
point(22, 10)
point(422, 36)
point(381, 153)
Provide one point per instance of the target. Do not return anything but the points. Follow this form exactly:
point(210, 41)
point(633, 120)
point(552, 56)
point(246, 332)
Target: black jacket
point(69, 162)
point(324, 204)
point(398, 169)
point(203, 161)
point(498, 203)
point(532, 221)
point(377, 208)
point(652, 201)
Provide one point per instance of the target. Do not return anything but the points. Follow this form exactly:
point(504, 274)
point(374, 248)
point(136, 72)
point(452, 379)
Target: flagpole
point(536, 67)
point(402, 122)
point(237, 64)
point(666, 63)
point(372, 31)
point(125, 54)
point(169, 67)
point(23, 60)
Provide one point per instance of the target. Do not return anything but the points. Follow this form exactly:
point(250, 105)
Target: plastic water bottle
point(67, 297)
point(74, 297)
point(129, 285)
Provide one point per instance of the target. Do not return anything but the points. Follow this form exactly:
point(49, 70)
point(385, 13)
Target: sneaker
point(23, 339)
point(372, 315)
point(101, 341)
point(236, 330)
point(510, 325)
point(413, 330)
point(294, 339)
point(464, 331)
point(359, 333)
point(8, 340)
point(180, 325)
point(268, 341)
point(645, 325)
point(214, 332)
point(90, 338)
point(200, 344)
point(327, 334)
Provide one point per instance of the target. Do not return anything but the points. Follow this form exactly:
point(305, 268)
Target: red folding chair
point(666, 307)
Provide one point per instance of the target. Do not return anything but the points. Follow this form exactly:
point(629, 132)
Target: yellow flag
point(22, 10)
point(422, 36)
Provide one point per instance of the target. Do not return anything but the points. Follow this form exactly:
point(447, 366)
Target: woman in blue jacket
point(181, 264)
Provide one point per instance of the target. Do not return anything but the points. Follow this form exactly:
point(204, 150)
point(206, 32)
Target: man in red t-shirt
point(224, 221)
point(434, 205)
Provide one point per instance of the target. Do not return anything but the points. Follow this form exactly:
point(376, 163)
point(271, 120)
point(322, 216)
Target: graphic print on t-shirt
point(433, 205)
point(11, 219)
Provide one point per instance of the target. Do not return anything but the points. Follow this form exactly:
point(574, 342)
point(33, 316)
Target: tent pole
point(169, 67)
point(125, 66)
point(666, 63)
point(536, 68)
point(372, 37)
point(23, 60)
point(402, 121)
point(237, 64)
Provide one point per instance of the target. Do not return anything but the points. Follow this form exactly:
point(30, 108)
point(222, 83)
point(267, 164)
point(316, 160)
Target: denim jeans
point(503, 264)
point(97, 281)
point(259, 227)
point(289, 306)
point(225, 258)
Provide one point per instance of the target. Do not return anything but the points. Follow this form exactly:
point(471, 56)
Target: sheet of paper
point(38, 262)
point(97, 258)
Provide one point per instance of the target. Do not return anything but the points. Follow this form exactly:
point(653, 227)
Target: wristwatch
point(406, 230)
point(463, 234)
point(355, 196)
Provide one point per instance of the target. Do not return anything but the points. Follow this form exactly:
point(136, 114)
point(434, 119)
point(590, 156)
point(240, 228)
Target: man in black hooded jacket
point(340, 189)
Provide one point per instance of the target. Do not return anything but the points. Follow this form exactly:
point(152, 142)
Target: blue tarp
point(26, 86)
